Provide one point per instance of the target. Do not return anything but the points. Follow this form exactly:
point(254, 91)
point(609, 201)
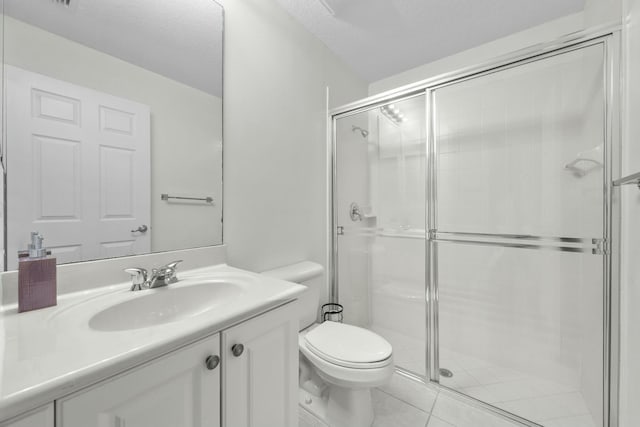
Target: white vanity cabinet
point(42, 417)
point(180, 389)
point(260, 370)
point(251, 369)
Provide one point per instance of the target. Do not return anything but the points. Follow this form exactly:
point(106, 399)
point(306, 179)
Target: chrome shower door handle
point(142, 229)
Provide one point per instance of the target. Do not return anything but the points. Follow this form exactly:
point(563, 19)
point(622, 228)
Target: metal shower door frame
point(609, 37)
point(599, 247)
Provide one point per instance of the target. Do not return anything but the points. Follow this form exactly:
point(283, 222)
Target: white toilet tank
point(308, 274)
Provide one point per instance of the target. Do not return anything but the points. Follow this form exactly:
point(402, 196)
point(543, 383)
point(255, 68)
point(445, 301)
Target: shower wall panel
point(352, 160)
point(520, 186)
point(505, 140)
point(381, 255)
point(523, 331)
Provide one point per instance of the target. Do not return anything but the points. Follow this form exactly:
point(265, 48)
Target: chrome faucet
point(138, 278)
point(162, 276)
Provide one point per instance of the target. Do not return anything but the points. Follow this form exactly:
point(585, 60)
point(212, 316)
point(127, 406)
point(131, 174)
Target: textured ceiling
point(379, 38)
point(178, 39)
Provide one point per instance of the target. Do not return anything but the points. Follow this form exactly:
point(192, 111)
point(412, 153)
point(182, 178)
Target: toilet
point(339, 363)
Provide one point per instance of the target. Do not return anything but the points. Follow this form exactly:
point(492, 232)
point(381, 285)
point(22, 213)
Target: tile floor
point(406, 403)
point(547, 403)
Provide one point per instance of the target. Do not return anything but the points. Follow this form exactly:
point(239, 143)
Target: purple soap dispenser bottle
point(37, 287)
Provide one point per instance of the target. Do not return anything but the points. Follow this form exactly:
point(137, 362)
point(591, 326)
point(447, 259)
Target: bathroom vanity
point(218, 348)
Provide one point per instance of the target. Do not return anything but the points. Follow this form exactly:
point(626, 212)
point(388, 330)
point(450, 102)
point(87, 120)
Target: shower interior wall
point(354, 263)
point(499, 308)
point(504, 142)
point(382, 258)
point(398, 163)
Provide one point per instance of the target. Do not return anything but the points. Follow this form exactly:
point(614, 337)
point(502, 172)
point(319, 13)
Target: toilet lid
point(347, 345)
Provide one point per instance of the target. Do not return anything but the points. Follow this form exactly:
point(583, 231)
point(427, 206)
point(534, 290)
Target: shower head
point(363, 132)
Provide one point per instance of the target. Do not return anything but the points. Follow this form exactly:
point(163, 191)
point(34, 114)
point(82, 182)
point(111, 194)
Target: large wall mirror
point(112, 141)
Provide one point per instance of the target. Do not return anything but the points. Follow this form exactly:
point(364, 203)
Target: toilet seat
point(348, 346)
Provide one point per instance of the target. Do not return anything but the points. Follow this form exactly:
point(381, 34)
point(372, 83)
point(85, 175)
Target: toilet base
point(313, 410)
point(340, 407)
point(349, 407)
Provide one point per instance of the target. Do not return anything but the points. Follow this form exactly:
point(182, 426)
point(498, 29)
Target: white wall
point(630, 269)
point(3, 145)
point(275, 168)
point(596, 13)
point(184, 121)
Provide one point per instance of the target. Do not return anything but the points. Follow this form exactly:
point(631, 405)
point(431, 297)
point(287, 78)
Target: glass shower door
point(379, 202)
point(518, 236)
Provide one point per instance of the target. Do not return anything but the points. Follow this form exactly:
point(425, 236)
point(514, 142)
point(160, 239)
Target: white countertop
point(49, 353)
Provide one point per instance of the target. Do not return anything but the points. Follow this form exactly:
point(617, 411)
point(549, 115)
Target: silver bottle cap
point(35, 247)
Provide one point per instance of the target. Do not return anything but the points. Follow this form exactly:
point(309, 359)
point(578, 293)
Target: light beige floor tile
point(437, 422)
point(392, 412)
point(461, 414)
point(547, 407)
point(580, 421)
point(411, 392)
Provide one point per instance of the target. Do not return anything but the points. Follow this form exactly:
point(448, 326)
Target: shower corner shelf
point(630, 179)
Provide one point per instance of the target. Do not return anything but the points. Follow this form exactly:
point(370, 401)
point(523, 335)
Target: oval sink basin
point(164, 305)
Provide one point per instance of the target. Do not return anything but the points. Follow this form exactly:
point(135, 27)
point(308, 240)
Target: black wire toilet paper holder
point(332, 312)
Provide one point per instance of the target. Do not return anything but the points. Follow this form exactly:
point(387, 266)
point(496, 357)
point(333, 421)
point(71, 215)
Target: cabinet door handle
point(212, 362)
point(237, 349)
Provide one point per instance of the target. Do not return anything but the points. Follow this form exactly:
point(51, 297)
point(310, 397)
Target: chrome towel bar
point(166, 197)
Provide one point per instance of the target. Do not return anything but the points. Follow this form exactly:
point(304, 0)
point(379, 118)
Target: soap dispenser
point(37, 286)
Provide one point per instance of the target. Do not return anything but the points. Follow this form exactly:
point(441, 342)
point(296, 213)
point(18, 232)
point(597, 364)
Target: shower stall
point(472, 229)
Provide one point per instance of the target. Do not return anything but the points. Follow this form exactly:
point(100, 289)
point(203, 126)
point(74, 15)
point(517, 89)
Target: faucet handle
point(138, 277)
point(169, 271)
point(172, 265)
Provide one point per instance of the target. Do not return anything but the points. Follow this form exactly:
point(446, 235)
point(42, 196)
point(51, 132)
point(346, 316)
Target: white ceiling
point(178, 39)
point(182, 39)
point(379, 38)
